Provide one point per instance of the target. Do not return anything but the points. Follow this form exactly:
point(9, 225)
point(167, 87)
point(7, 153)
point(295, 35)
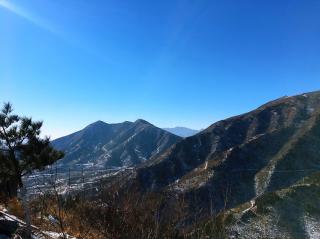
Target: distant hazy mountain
point(182, 131)
point(106, 145)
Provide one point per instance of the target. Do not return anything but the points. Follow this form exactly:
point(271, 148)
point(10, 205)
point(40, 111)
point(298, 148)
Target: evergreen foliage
point(21, 148)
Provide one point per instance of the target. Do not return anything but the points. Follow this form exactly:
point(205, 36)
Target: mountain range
point(259, 169)
point(259, 160)
point(113, 145)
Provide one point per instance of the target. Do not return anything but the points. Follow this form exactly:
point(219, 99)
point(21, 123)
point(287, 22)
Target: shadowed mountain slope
point(243, 157)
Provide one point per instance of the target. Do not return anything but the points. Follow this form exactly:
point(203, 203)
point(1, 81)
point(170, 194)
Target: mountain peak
point(142, 121)
point(114, 145)
point(97, 123)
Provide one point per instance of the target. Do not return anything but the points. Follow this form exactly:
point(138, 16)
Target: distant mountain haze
point(182, 131)
point(114, 145)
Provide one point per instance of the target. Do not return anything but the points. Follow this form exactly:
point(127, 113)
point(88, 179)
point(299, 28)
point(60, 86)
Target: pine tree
point(21, 148)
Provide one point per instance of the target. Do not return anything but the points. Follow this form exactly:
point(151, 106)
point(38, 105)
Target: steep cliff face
point(242, 157)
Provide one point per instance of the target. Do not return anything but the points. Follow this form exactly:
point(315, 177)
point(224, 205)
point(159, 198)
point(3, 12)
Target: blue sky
point(186, 63)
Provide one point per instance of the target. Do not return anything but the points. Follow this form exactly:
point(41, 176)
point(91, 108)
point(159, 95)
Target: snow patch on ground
point(262, 184)
point(57, 235)
point(37, 233)
point(254, 228)
point(139, 154)
point(156, 151)
point(206, 165)
point(227, 153)
point(131, 137)
point(255, 137)
point(252, 203)
point(312, 227)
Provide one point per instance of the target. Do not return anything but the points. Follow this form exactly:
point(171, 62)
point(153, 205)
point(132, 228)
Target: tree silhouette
point(21, 148)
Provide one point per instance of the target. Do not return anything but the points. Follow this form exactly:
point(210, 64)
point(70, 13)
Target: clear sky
point(173, 63)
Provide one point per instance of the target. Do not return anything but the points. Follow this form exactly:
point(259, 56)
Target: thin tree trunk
point(17, 169)
point(25, 203)
point(24, 193)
